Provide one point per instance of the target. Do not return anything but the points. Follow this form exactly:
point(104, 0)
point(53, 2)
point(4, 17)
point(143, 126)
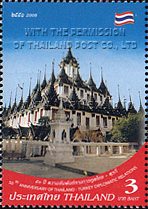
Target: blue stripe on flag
point(124, 18)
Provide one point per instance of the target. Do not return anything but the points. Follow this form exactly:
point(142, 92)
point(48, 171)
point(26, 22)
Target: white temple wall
point(101, 122)
point(110, 124)
point(31, 117)
point(17, 120)
point(15, 125)
point(70, 90)
point(78, 92)
point(44, 112)
point(26, 119)
point(10, 123)
point(60, 91)
point(19, 116)
point(14, 122)
point(69, 70)
point(36, 117)
point(85, 96)
point(74, 117)
point(50, 113)
point(83, 123)
point(23, 120)
point(92, 122)
point(39, 114)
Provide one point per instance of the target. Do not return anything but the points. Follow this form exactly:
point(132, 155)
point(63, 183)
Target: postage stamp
point(73, 119)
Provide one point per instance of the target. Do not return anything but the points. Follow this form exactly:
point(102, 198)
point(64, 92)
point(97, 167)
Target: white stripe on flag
point(123, 21)
point(121, 16)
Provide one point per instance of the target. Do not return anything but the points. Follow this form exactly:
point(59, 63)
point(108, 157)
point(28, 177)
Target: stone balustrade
point(38, 148)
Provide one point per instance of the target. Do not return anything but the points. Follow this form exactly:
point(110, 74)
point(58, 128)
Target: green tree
point(130, 129)
point(44, 120)
point(43, 130)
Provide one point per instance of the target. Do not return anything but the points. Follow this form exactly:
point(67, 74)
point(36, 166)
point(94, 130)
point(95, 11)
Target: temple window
point(29, 117)
point(101, 98)
point(54, 111)
point(68, 69)
point(81, 93)
point(66, 90)
point(67, 113)
point(20, 119)
point(35, 116)
point(41, 112)
point(87, 123)
point(97, 120)
point(78, 118)
point(53, 133)
point(88, 97)
point(63, 134)
point(105, 122)
point(95, 96)
point(113, 121)
point(56, 89)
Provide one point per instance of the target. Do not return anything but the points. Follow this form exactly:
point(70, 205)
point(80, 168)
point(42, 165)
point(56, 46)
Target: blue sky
point(123, 66)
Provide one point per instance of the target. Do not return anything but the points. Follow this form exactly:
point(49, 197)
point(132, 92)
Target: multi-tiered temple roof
point(46, 95)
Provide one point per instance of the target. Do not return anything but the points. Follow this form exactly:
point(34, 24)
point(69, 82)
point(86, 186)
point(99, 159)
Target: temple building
point(86, 105)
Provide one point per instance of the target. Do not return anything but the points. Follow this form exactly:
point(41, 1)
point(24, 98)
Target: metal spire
point(16, 95)
point(90, 70)
point(130, 96)
point(45, 72)
point(101, 74)
point(10, 99)
point(22, 91)
point(53, 65)
point(69, 41)
point(119, 93)
point(139, 96)
point(30, 86)
point(39, 77)
point(124, 102)
point(140, 99)
point(141, 108)
point(106, 83)
point(22, 88)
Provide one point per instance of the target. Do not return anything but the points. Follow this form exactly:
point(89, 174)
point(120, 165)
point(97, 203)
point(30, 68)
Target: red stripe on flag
point(124, 23)
point(123, 13)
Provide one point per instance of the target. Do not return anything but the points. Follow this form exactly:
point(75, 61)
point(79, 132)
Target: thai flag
point(124, 18)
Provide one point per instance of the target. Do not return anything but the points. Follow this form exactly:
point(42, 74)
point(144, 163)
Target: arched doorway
point(63, 137)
